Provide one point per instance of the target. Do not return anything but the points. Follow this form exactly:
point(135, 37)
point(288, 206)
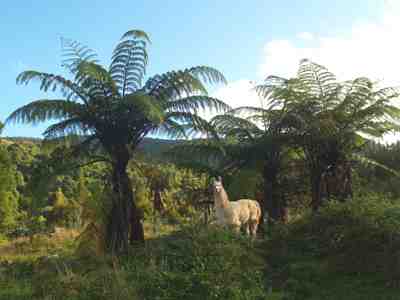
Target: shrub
point(195, 263)
point(361, 235)
point(198, 264)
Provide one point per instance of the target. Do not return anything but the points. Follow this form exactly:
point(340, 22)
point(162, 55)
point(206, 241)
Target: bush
point(358, 236)
point(199, 264)
point(195, 263)
point(3, 239)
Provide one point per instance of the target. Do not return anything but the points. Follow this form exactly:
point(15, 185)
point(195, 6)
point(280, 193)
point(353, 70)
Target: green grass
point(339, 254)
point(192, 262)
point(347, 251)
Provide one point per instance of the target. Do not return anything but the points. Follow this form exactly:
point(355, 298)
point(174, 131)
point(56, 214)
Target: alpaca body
point(237, 214)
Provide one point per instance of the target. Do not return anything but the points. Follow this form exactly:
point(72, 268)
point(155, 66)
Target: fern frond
point(368, 162)
point(387, 94)
point(271, 82)
point(196, 103)
point(53, 82)
point(129, 61)
point(193, 122)
point(69, 127)
point(95, 79)
point(249, 110)
point(235, 126)
point(170, 129)
point(74, 53)
point(44, 110)
point(316, 78)
point(174, 85)
point(136, 34)
point(139, 105)
point(207, 74)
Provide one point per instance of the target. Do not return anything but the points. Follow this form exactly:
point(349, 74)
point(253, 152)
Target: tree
point(158, 182)
point(8, 192)
point(83, 197)
point(333, 119)
point(248, 138)
point(374, 178)
point(113, 108)
point(262, 138)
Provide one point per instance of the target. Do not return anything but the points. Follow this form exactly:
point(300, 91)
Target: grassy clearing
point(347, 251)
point(193, 262)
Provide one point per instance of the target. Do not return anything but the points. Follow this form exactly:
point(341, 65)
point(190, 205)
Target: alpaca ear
point(220, 179)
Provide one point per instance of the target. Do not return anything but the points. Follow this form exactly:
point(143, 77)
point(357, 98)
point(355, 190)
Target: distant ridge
point(155, 147)
point(22, 139)
point(148, 147)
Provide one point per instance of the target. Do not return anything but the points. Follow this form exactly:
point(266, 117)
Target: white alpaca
point(243, 212)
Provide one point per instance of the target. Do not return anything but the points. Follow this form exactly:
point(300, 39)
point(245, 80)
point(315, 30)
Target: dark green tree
point(260, 138)
point(114, 108)
point(333, 120)
point(253, 138)
point(8, 192)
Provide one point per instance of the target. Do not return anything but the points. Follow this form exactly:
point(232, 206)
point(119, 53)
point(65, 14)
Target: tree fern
point(43, 110)
point(129, 61)
point(74, 53)
point(113, 108)
point(70, 90)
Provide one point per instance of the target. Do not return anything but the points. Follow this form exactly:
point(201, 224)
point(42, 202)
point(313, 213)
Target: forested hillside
point(290, 199)
point(43, 217)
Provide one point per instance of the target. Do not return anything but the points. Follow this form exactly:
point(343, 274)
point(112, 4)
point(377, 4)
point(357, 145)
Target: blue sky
point(236, 37)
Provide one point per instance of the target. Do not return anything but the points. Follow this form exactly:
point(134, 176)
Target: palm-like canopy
point(115, 107)
point(327, 119)
point(267, 134)
point(322, 107)
point(248, 137)
point(331, 117)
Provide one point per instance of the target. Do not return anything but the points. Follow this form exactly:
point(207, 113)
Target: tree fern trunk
point(272, 203)
point(124, 223)
point(136, 226)
point(316, 197)
point(339, 182)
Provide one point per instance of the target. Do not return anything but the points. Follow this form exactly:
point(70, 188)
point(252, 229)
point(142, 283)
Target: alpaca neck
point(221, 199)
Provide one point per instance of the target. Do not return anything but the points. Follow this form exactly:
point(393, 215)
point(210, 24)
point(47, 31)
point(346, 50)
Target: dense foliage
point(347, 251)
point(313, 123)
point(75, 207)
point(107, 112)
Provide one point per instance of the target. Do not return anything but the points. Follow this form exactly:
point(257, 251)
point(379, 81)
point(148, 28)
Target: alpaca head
point(217, 185)
point(220, 196)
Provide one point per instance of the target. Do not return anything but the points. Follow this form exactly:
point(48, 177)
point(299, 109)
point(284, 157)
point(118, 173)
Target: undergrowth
point(346, 251)
point(193, 263)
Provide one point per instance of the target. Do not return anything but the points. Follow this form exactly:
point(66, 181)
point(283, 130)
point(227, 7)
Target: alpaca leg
point(236, 227)
point(247, 228)
point(253, 228)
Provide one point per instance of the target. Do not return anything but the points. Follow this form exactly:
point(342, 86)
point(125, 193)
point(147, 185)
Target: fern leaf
point(44, 110)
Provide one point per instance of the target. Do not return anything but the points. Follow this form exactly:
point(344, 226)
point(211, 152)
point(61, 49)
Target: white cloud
point(369, 49)
point(235, 94)
point(238, 93)
point(307, 36)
